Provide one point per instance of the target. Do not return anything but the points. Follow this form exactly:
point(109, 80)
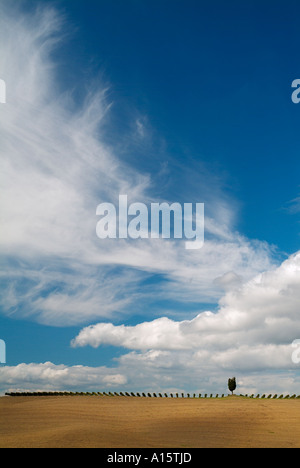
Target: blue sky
point(214, 82)
point(165, 101)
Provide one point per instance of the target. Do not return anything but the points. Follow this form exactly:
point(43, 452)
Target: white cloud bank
point(252, 332)
point(250, 336)
point(51, 377)
point(263, 311)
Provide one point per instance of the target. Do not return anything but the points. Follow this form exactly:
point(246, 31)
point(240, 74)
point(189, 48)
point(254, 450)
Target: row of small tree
point(141, 395)
point(232, 385)
point(115, 394)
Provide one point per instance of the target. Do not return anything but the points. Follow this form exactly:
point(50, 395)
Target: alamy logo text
point(162, 220)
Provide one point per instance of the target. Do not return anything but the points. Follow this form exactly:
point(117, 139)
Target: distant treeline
point(143, 395)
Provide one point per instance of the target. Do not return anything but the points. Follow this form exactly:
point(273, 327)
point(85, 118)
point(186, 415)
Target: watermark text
point(296, 93)
point(162, 220)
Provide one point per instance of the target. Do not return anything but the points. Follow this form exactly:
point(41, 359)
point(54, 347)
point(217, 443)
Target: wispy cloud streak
point(56, 169)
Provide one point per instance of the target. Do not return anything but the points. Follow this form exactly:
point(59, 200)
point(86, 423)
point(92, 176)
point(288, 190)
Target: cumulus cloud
point(250, 336)
point(162, 333)
point(264, 310)
point(51, 377)
point(253, 330)
point(154, 371)
point(257, 370)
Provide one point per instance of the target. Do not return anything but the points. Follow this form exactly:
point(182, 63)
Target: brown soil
point(68, 422)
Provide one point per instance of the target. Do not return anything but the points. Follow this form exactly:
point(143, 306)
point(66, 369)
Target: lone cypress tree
point(232, 384)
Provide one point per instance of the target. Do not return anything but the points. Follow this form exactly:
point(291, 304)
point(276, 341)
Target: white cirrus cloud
point(293, 206)
point(56, 168)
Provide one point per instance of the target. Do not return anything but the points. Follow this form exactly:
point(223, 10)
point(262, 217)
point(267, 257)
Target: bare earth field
point(75, 422)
